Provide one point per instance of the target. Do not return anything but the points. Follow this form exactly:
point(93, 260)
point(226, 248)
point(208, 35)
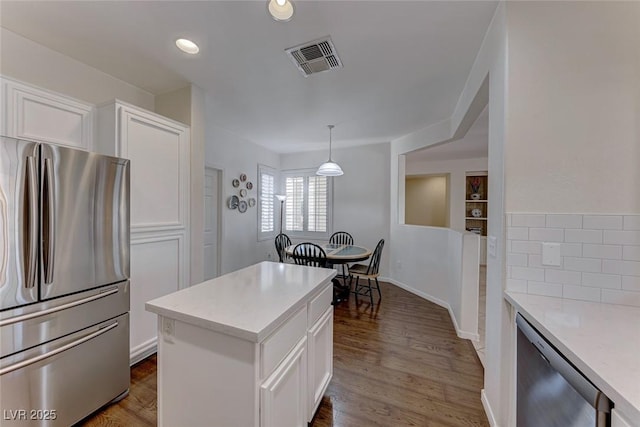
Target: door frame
point(220, 201)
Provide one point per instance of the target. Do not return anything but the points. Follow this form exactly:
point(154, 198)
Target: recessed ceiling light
point(280, 10)
point(187, 46)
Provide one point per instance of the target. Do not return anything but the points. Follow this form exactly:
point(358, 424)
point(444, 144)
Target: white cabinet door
point(320, 359)
point(36, 114)
point(617, 419)
point(156, 270)
point(283, 394)
point(159, 152)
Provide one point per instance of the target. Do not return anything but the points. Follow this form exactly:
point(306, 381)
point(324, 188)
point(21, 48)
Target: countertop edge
point(621, 403)
point(253, 336)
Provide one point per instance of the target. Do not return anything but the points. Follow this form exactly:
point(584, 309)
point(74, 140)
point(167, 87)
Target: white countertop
point(249, 303)
point(602, 340)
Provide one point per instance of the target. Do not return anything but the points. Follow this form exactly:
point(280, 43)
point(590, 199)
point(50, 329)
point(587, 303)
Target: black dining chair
point(367, 272)
point(309, 254)
point(312, 255)
point(341, 238)
point(282, 241)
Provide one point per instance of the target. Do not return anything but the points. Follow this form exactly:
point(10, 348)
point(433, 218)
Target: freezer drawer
point(26, 327)
point(63, 381)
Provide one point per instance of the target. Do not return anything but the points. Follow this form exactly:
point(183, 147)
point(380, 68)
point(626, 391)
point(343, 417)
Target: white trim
point(487, 409)
point(460, 333)
point(143, 351)
point(183, 271)
point(269, 170)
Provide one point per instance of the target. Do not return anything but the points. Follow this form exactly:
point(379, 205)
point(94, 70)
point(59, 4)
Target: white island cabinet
point(250, 348)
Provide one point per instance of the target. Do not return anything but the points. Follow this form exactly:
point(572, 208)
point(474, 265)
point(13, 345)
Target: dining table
point(339, 254)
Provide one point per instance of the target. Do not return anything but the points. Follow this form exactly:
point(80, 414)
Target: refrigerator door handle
point(31, 256)
point(52, 353)
point(49, 222)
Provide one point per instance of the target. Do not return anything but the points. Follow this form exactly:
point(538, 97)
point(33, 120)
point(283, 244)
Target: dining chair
point(282, 241)
point(312, 255)
point(367, 272)
point(341, 238)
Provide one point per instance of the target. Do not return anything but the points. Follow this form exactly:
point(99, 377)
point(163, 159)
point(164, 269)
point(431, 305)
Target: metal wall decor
point(235, 201)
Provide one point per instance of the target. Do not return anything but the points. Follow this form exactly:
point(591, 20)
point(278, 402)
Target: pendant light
point(329, 168)
point(280, 10)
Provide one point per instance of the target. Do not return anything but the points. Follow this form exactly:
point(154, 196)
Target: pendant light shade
point(280, 10)
point(329, 168)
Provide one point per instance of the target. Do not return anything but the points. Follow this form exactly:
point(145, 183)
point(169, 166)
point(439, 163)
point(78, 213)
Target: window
point(266, 204)
point(307, 208)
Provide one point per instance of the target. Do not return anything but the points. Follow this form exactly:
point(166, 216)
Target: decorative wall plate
point(252, 202)
point(235, 182)
point(243, 192)
point(249, 185)
point(243, 177)
point(233, 202)
point(242, 206)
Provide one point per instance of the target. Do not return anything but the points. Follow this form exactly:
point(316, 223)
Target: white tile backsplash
point(528, 220)
point(631, 253)
point(527, 273)
point(602, 251)
point(603, 222)
point(627, 237)
point(581, 293)
point(583, 236)
point(546, 234)
point(591, 265)
point(631, 283)
point(631, 222)
point(564, 221)
point(563, 277)
point(599, 280)
point(600, 256)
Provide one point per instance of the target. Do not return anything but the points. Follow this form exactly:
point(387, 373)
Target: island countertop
point(249, 303)
point(602, 340)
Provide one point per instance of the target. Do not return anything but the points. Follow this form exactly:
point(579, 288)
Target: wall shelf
point(476, 183)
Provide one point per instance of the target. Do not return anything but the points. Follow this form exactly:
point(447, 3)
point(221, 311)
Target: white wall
point(234, 155)
point(574, 107)
point(33, 63)
point(360, 196)
point(457, 170)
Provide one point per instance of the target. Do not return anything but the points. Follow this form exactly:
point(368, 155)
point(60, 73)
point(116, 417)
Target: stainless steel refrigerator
point(64, 288)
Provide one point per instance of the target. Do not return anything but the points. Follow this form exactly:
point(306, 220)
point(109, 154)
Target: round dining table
point(338, 253)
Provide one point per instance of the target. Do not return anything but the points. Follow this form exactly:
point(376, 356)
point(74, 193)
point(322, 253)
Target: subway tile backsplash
point(599, 256)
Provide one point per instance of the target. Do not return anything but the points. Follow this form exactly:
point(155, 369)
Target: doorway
point(212, 220)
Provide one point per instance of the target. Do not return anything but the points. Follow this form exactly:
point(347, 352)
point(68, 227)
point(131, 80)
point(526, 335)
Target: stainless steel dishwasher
point(551, 392)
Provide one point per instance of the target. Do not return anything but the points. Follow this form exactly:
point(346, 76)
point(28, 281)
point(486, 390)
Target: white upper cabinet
point(159, 152)
point(36, 114)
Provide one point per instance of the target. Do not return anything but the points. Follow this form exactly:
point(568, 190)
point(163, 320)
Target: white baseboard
point(143, 351)
point(487, 409)
point(460, 333)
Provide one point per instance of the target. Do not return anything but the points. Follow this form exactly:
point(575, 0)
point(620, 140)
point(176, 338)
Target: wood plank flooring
point(398, 363)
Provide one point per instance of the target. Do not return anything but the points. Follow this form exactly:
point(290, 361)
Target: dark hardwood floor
point(398, 363)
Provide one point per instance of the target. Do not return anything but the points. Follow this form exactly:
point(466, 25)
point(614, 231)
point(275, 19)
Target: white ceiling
point(405, 62)
point(475, 144)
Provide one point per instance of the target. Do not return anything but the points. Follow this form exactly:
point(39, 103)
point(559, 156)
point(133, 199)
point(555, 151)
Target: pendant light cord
point(330, 129)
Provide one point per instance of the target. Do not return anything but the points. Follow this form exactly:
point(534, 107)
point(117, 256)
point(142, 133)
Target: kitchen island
point(250, 348)
point(601, 340)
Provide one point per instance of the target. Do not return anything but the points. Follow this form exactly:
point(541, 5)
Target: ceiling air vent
point(315, 56)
